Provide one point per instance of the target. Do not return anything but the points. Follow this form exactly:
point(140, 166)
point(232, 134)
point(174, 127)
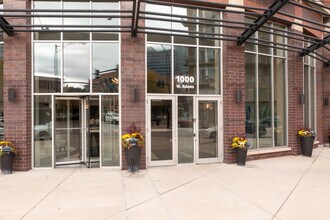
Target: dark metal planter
point(7, 162)
point(133, 158)
point(241, 156)
point(307, 144)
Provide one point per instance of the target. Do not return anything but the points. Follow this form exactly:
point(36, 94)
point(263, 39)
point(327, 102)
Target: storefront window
point(209, 27)
point(47, 67)
point(42, 131)
point(265, 94)
point(310, 92)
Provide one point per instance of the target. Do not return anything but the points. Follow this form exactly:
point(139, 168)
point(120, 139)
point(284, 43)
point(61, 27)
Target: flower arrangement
point(306, 132)
point(6, 147)
point(239, 141)
point(133, 137)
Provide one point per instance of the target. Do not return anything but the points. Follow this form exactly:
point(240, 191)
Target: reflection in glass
point(110, 131)
point(161, 130)
point(250, 100)
point(279, 102)
point(209, 71)
point(68, 130)
point(312, 91)
point(280, 40)
point(47, 67)
point(42, 131)
point(2, 132)
point(105, 67)
point(156, 23)
point(209, 27)
point(182, 25)
point(266, 39)
point(76, 67)
point(94, 130)
point(159, 68)
point(185, 130)
point(265, 104)
point(306, 89)
point(185, 70)
point(207, 128)
point(47, 21)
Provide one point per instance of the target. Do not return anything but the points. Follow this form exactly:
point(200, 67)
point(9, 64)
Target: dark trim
point(4, 25)
point(315, 46)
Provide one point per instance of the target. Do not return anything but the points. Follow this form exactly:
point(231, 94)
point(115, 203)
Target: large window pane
point(110, 131)
point(42, 131)
point(209, 71)
point(279, 102)
point(185, 130)
point(154, 23)
point(265, 104)
point(159, 68)
point(185, 70)
point(76, 67)
point(209, 27)
point(105, 67)
point(250, 99)
point(182, 25)
point(47, 67)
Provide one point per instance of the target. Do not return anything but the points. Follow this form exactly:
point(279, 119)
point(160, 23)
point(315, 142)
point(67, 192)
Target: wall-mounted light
point(302, 98)
point(11, 95)
point(135, 95)
point(326, 101)
point(239, 96)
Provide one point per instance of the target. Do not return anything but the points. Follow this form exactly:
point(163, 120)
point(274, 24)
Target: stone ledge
point(269, 151)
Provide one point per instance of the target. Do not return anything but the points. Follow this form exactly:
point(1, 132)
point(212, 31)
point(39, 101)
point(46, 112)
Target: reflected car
point(2, 133)
point(211, 132)
point(43, 132)
point(112, 117)
point(186, 122)
point(250, 128)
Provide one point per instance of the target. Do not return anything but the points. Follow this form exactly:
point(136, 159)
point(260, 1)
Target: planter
point(7, 162)
point(241, 156)
point(133, 158)
point(307, 146)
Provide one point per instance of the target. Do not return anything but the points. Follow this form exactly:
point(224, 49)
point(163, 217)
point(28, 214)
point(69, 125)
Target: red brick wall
point(17, 75)
point(233, 80)
point(132, 76)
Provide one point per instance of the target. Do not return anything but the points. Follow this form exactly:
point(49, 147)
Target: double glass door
point(77, 131)
point(183, 129)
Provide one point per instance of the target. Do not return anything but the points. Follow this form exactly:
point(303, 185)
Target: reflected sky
point(47, 59)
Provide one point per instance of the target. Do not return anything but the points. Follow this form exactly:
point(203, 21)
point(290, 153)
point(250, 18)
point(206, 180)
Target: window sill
point(269, 151)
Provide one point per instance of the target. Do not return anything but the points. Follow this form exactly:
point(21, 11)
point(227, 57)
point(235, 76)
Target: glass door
point(160, 131)
point(92, 158)
point(207, 127)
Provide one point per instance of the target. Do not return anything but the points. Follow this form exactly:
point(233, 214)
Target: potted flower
point(132, 142)
point(7, 154)
point(307, 136)
point(241, 146)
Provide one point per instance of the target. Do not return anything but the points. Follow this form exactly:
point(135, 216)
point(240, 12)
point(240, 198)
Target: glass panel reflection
point(161, 130)
point(47, 67)
point(183, 24)
point(209, 71)
point(209, 27)
point(185, 130)
point(159, 68)
point(279, 102)
point(110, 131)
point(76, 67)
point(185, 70)
point(156, 23)
point(94, 129)
point(207, 128)
point(105, 67)
point(42, 131)
point(265, 104)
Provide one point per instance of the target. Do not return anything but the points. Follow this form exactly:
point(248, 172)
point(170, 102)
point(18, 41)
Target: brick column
point(233, 80)
point(133, 76)
point(17, 75)
point(295, 89)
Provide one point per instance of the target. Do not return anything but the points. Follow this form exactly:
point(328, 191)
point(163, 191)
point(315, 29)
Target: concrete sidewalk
point(281, 188)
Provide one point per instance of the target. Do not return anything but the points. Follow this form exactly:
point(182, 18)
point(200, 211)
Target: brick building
point(191, 74)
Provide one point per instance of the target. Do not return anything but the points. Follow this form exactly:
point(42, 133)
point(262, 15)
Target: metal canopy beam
point(276, 6)
point(4, 25)
point(315, 46)
point(135, 17)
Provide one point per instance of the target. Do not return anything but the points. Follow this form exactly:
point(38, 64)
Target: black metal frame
point(136, 14)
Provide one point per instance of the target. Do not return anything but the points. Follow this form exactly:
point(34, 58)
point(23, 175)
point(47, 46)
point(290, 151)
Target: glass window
point(310, 92)
point(159, 66)
point(154, 21)
point(209, 27)
point(209, 71)
point(266, 40)
point(42, 131)
point(2, 131)
point(76, 67)
point(184, 24)
point(105, 67)
point(110, 131)
point(47, 67)
point(185, 70)
point(185, 130)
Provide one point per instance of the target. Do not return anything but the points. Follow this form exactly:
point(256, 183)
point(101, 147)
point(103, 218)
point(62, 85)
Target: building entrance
point(183, 129)
point(77, 131)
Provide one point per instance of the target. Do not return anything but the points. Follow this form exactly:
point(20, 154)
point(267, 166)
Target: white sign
point(183, 82)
